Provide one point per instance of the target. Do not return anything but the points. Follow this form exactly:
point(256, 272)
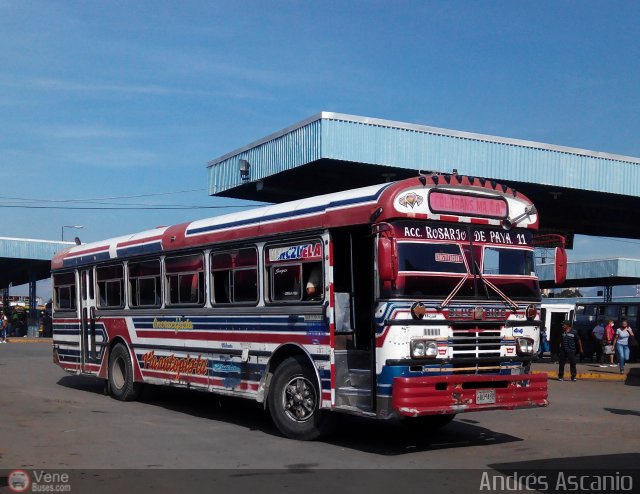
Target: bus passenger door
point(87, 322)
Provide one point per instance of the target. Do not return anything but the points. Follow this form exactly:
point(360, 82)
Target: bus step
point(360, 378)
point(359, 398)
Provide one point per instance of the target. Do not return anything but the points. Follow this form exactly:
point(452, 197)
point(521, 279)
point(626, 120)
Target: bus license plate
point(485, 396)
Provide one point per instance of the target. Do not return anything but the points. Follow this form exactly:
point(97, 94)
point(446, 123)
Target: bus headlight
point(424, 349)
point(524, 346)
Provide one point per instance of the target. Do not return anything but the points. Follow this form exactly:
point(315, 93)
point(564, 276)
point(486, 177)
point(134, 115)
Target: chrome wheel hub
point(299, 399)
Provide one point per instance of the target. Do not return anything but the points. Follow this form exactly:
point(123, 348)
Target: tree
point(570, 292)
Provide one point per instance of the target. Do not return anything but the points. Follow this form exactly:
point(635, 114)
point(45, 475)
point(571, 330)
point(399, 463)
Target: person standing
point(621, 344)
point(544, 342)
point(5, 324)
point(569, 346)
point(598, 336)
point(609, 335)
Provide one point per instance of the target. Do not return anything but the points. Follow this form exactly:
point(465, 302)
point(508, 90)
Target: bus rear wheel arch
point(294, 400)
point(121, 384)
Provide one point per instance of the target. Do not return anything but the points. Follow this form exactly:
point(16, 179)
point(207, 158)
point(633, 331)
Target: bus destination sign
point(411, 230)
point(473, 205)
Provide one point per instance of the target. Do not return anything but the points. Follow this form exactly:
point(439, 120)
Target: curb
point(588, 376)
point(29, 340)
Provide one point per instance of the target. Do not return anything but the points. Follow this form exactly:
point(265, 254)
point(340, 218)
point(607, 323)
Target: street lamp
point(77, 227)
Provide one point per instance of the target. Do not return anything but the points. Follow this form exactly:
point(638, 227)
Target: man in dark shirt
point(569, 346)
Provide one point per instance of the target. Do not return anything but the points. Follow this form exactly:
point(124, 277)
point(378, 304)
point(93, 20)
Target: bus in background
point(588, 314)
point(416, 299)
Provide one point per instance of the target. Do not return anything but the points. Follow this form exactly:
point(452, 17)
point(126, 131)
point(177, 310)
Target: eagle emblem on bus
point(410, 199)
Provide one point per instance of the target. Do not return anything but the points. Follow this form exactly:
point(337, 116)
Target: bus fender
point(278, 356)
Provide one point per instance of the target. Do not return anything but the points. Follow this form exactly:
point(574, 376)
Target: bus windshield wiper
point(486, 283)
point(476, 272)
point(453, 293)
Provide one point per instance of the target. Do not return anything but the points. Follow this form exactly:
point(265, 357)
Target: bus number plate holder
point(485, 396)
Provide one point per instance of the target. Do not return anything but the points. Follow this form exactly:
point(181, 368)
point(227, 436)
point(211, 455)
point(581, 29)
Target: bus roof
point(448, 198)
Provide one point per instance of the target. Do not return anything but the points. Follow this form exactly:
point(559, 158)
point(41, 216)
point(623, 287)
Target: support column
point(5, 299)
point(33, 310)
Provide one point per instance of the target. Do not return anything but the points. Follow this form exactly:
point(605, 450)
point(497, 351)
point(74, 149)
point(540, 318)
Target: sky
point(111, 104)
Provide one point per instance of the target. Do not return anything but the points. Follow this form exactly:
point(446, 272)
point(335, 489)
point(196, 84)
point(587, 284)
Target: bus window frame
point(131, 279)
point(73, 299)
point(269, 266)
point(167, 286)
point(121, 281)
point(231, 278)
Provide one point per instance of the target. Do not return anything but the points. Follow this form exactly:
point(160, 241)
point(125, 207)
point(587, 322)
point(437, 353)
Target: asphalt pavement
point(172, 439)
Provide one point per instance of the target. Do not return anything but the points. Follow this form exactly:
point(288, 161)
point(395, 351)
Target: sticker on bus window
point(304, 252)
point(440, 257)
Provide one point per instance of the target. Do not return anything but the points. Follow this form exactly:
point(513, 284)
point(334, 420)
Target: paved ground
point(592, 371)
point(54, 420)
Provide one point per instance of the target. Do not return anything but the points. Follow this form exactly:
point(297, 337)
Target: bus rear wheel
point(294, 401)
point(121, 382)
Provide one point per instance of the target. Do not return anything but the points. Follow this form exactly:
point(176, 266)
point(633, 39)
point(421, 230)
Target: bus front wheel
point(294, 401)
point(121, 382)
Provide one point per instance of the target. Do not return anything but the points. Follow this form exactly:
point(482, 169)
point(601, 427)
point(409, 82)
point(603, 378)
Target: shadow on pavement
point(619, 411)
point(388, 438)
point(633, 377)
point(83, 383)
point(621, 461)
point(392, 438)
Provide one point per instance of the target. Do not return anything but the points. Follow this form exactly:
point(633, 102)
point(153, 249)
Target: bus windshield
point(501, 261)
point(432, 268)
point(435, 258)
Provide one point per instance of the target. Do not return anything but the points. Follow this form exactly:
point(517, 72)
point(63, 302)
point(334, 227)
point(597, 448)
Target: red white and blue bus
point(415, 299)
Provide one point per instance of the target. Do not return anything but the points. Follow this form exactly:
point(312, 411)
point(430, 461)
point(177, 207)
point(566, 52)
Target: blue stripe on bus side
point(89, 258)
point(133, 250)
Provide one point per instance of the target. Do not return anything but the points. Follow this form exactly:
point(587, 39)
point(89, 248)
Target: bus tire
point(429, 422)
point(121, 384)
point(294, 401)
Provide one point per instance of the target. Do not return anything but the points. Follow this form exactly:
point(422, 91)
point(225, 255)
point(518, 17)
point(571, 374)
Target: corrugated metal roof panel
point(283, 152)
point(396, 144)
point(20, 248)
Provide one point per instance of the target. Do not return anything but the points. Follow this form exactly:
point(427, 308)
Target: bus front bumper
point(416, 396)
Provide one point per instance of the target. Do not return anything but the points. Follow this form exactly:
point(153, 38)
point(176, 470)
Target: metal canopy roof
point(24, 260)
point(575, 190)
point(602, 272)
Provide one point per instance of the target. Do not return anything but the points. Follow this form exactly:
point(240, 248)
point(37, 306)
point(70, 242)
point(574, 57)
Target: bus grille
point(475, 343)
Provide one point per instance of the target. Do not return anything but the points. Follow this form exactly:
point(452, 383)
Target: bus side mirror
point(387, 259)
point(560, 273)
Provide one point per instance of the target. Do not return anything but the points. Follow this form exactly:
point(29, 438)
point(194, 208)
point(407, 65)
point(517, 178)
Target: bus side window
point(235, 276)
point(110, 286)
point(64, 291)
point(144, 284)
point(285, 283)
point(221, 274)
point(185, 279)
point(245, 275)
